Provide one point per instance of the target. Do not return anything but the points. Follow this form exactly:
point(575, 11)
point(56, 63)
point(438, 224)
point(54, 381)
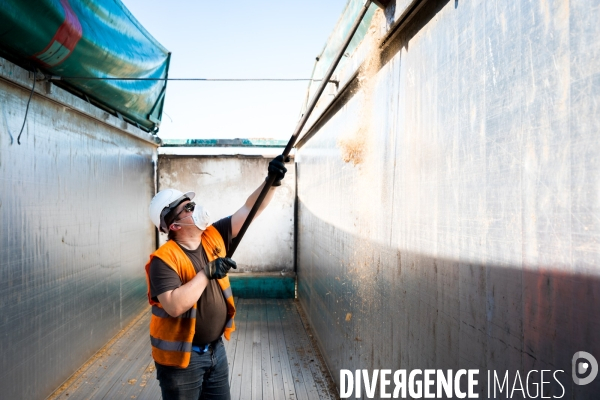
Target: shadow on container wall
point(393, 309)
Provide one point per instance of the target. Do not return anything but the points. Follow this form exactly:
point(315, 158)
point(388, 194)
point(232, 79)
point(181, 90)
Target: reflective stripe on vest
point(170, 346)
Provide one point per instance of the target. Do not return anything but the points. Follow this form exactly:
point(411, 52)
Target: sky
point(237, 39)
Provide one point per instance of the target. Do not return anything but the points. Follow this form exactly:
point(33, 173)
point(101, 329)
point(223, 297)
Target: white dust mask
point(201, 217)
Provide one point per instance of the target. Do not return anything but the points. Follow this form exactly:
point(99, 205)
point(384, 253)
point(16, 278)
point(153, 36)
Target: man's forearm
point(239, 217)
point(176, 302)
point(252, 198)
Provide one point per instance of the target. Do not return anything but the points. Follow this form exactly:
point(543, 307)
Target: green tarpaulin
point(89, 39)
point(337, 37)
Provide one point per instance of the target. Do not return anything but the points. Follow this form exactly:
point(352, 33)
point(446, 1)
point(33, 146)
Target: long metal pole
point(271, 178)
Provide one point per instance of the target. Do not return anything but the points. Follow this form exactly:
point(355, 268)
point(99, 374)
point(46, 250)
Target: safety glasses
point(189, 207)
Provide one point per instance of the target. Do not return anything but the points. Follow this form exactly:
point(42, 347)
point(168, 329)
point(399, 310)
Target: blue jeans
point(206, 377)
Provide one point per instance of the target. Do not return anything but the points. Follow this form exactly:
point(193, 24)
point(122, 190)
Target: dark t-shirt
point(211, 313)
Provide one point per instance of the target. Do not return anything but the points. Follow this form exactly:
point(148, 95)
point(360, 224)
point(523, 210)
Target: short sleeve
point(162, 278)
point(223, 226)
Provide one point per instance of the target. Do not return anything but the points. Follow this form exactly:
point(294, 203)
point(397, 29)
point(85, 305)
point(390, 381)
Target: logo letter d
point(592, 363)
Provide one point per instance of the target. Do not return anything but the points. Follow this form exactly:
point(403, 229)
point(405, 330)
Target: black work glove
point(277, 168)
point(218, 268)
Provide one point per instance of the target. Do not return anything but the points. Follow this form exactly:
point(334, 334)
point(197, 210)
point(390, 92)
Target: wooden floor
point(271, 356)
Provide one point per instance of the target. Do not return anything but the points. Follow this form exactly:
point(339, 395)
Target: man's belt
point(205, 347)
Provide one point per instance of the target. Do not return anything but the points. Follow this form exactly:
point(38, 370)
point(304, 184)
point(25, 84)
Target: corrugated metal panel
point(448, 210)
point(74, 237)
point(90, 39)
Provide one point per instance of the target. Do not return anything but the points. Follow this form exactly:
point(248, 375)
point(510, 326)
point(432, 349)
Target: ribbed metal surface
point(448, 211)
point(74, 235)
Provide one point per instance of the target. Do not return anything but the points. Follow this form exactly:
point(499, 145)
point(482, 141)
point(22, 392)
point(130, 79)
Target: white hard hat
point(163, 202)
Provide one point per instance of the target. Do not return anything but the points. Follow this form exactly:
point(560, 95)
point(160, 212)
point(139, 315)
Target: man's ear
point(174, 227)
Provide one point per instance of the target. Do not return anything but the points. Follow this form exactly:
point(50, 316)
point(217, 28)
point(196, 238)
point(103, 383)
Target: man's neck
point(190, 241)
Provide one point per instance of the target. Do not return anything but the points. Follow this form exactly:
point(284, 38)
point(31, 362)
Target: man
point(188, 288)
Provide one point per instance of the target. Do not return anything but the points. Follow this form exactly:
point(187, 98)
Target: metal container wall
point(74, 232)
point(449, 209)
point(222, 185)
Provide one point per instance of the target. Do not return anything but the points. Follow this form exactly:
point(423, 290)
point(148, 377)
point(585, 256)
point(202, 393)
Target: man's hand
point(218, 268)
point(277, 168)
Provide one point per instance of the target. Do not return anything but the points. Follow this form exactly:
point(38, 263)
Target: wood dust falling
point(352, 148)
point(356, 147)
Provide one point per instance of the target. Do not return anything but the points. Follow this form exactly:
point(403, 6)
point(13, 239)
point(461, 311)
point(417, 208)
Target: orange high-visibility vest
point(171, 338)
